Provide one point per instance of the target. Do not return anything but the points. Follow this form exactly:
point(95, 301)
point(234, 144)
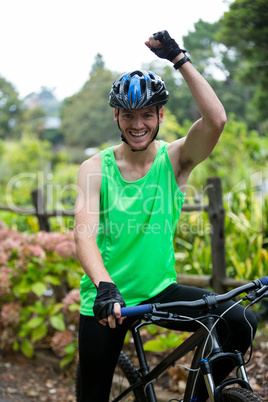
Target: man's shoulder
point(92, 164)
point(90, 171)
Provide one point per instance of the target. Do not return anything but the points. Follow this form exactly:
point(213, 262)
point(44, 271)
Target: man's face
point(138, 126)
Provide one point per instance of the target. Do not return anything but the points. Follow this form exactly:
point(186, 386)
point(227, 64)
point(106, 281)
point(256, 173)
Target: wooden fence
point(215, 209)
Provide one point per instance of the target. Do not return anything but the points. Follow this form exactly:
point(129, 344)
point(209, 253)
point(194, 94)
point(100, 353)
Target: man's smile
point(138, 134)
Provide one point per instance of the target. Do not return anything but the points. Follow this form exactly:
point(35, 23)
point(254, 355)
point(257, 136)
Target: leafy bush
point(39, 293)
point(246, 239)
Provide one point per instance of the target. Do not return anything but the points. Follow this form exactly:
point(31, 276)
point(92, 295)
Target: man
point(128, 206)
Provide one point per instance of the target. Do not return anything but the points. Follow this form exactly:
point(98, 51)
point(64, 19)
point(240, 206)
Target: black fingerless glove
point(170, 49)
point(107, 295)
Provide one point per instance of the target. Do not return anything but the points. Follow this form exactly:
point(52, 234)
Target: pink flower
point(3, 257)
point(12, 234)
point(10, 314)
point(62, 244)
point(32, 251)
point(66, 249)
point(26, 252)
point(47, 241)
point(11, 240)
point(60, 340)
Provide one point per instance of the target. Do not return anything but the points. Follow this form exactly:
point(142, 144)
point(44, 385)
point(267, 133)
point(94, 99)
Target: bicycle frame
point(204, 341)
point(198, 341)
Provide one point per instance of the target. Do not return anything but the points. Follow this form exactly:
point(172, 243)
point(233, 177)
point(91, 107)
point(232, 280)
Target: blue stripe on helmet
point(134, 91)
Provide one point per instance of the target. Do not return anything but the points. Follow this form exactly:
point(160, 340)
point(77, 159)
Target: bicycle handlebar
point(209, 301)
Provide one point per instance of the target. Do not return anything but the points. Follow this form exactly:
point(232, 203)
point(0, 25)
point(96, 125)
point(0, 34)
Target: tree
point(19, 117)
point(98, 64)
point(24, 165)
point(10, 110)
point(245, 28)
point(204, 48)
point(219, 65)
point(87, 119)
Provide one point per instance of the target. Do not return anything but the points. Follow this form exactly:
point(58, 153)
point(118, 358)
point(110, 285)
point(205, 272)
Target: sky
point(53, 43)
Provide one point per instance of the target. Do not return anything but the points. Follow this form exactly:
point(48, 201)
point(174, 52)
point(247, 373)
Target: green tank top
point(136, 229)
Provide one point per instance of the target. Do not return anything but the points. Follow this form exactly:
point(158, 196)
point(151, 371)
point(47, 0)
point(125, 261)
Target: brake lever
point(263, 290)
point(256, 295)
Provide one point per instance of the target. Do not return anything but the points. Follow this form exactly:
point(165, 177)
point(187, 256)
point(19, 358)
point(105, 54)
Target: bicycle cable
point(251, 333)
point(199, 322)
point(210, 333)
point(215, 323)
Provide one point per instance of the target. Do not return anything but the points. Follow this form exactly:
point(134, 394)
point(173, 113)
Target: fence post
point(40, 208)
point(216, 218)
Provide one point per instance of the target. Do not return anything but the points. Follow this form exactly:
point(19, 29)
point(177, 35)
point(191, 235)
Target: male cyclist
point(128, 205)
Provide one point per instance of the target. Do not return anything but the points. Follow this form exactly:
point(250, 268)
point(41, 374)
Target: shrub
point(39, 295)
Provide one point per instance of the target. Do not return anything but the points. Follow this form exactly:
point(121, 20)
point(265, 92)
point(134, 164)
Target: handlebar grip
point(136, 310)
point(264, 280)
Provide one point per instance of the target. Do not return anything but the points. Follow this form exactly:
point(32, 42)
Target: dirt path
point(22, 380)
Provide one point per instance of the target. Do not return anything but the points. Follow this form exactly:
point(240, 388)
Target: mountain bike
point(138, 382)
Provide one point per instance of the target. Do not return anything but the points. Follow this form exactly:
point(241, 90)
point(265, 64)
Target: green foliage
point(10, 110)
point(214, 59)
point(34, 157)
point(39, 293)
point(36, 167)
point(246, 239)
point(170, 129)
point(168, 340)
point(21, 172)
point(70, 354)
point(203, 47)
point(16, 119)
point(87, 119)
point(32, 123)
point(64, 191)
point(245, 28)
point(22, 223)
point(192, 244)
point(238, 154)
point(246, 236)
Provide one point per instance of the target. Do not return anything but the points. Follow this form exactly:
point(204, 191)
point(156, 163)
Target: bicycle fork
point(217, 354)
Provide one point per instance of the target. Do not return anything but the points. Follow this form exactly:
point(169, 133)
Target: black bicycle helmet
point(138, 89)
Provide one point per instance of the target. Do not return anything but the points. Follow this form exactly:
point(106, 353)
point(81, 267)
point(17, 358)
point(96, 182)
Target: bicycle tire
point(125, 375)
point(239, 395)
point(126, 370)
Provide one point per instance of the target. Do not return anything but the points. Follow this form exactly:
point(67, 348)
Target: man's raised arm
point(205, 132)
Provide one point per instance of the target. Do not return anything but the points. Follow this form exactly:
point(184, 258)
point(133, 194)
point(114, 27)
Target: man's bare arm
point(87, 226)
point(87, 220)
point(186, 153)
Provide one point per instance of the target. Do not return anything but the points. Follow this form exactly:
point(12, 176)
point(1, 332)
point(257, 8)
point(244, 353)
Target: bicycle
point(204, 341)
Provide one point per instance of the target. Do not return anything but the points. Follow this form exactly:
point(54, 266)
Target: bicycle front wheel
point(239, 395)
point(125, 375)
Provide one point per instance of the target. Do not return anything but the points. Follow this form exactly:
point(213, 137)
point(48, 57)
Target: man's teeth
point(138, 134)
